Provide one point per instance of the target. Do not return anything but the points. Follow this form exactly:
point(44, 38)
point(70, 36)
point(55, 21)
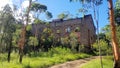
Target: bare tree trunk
point(9, 52)
point(114, 39)
point(23, 34)
point(9, 49)
point(22, 43)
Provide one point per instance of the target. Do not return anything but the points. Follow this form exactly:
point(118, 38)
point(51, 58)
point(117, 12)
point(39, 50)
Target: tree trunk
point(9, 52)
point(9, 49)
point(22, 43)
point(21, 55)
point(114, 39)
point(23, 34)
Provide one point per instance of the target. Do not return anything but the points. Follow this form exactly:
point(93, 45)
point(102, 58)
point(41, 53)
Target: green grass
point(42, 60)
point(107, 63)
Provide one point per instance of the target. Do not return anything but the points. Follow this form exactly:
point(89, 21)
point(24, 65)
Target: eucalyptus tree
point(22, 39)
point(7, 28)
point(37, 9)
point(64, 15)
point(114, 37)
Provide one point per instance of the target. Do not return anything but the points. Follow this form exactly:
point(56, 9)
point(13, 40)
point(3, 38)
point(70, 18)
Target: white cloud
point(25, 4)
point(20, 12)
point(4, 2)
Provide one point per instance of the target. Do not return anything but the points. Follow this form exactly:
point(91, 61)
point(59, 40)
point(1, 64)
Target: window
point(67, 29)
point(56, 24)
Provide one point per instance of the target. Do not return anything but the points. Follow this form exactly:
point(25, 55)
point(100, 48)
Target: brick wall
point(62, 28)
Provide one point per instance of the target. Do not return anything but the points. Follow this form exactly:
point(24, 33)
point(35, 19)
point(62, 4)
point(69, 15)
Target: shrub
point(105, 49)
point(58, 51)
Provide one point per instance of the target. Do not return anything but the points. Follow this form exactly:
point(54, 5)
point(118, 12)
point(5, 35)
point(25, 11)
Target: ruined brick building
point(84, 27)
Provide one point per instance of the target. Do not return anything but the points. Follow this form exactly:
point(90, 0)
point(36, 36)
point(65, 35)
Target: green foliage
point(107, 63)
point(65, 41)
point(33, 41)
point(65, 15)
point(117, 12)
point(62, 16)
point(105, 48)
point(44, 60)
point(37, 21)
point(38, 8)
point(29, 27)
point(73, 40)
point(48, 15)
point(107, 32)
point(59, 51)
point(118, 34)
point(47, 38)
point(16, 36)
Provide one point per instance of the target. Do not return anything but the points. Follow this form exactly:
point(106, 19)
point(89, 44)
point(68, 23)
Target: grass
point(42, 60)
point(107, 63)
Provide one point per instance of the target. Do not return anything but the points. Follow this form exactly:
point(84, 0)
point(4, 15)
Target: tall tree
point(21, 42)
point(7, 28)
point(38, 8)
point(114, 38)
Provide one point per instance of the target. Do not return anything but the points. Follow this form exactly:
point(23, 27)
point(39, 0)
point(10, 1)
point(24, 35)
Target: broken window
point(68, 29)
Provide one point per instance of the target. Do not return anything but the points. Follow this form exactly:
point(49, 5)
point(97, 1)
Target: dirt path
point(74, 64)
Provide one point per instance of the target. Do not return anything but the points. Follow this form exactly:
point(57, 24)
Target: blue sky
point(58, 6)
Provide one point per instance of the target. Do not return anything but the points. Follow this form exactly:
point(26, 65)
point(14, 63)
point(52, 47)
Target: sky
point(58, 6)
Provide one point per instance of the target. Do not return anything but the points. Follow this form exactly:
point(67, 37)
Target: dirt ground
point(74, 64)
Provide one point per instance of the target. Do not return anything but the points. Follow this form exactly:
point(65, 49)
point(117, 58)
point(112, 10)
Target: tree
point(105, 48)
point(117, 13)
point(73, 41)
point(22, 41)
point(47, 38)
point(64, 15)
point(114, 38)
point(38, 8)
point(7, 28)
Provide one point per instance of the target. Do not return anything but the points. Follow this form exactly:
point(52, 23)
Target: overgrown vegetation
point(107, 63)
point(43, 59)
point(41, 47)
point(105, 48)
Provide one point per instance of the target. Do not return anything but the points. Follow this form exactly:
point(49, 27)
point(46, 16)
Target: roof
point(61, 20)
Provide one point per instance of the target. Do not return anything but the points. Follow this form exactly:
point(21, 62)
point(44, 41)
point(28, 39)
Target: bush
point(44, 59)
point(56, 51)
point(105, 48)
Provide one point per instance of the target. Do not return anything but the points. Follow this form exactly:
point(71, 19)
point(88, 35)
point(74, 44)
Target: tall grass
point(107, 63)
point(43, 59)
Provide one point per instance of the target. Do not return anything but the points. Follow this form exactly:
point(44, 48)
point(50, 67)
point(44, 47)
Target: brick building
point(84, 27)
